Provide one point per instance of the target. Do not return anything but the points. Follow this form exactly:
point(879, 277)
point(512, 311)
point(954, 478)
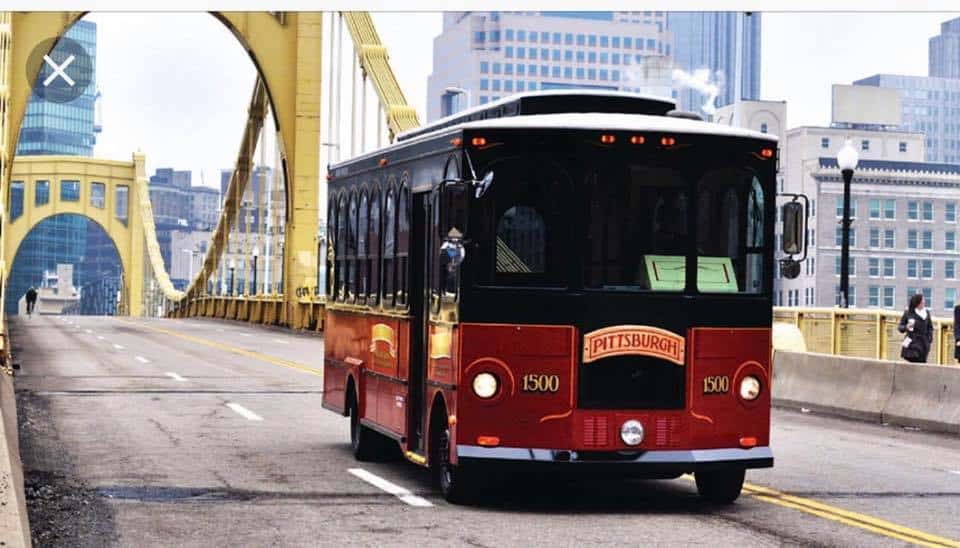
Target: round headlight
point(749, 388)
point(631, 432)
point(485, 385)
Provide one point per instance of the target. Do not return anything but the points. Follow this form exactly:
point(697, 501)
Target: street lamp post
point(847, 160)
point(233, 266)
point(453, 90)
point(256, 253)
point(190, 253)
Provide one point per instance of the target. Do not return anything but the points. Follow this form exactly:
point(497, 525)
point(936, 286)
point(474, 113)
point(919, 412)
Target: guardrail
point(864, 333)
point(263, 309)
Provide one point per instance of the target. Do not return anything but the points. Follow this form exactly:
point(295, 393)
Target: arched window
point(373, 255)
point(352, 249)
point(331, 240)
point(341, 249)
point(363, 268)
point(403, 244)
point(389, 247)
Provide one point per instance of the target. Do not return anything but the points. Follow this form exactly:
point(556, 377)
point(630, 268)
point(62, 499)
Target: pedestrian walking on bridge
point(31, 300)
point(917, 324)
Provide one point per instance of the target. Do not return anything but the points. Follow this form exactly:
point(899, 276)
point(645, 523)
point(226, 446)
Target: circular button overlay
point(63, 70)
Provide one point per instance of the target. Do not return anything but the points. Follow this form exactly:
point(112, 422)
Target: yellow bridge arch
point(103, 191)
point(286, 49)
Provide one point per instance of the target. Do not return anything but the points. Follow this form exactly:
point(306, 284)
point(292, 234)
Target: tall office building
point(931, 106)
point(62, 129)
point(707, 42)
point(482, 56)
point(944, 57)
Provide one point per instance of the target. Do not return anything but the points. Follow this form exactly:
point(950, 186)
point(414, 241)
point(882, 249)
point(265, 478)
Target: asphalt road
point(204, 433)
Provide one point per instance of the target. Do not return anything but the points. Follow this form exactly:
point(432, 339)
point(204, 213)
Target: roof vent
point(685, 115)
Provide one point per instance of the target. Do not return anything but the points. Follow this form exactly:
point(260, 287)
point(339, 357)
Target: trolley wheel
point(456, 482)
point(720, 486)
point(362, 439)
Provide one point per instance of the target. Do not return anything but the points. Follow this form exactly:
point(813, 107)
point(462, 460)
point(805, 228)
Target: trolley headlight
point(749, 388)
point(485, 385)
point(631, 432)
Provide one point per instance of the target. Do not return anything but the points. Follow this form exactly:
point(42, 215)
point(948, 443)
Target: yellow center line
point(227, 348)
point(846, 517)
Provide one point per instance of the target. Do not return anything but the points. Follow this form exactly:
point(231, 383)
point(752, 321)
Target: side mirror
point(483, 185)
point(793, 228)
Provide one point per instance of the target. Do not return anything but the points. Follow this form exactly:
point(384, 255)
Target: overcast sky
point(176, 85)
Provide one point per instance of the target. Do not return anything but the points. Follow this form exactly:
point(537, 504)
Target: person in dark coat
point(917, 324)
point(31, 300)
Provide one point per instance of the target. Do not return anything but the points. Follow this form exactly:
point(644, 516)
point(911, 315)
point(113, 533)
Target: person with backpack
point(917, 325)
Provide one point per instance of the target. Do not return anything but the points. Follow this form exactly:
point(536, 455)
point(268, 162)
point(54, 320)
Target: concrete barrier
point(925, 396)
point(901, 393)
point(14, 526)
point(855, 388)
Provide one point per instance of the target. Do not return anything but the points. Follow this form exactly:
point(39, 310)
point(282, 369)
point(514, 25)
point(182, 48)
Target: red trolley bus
point(570, 279)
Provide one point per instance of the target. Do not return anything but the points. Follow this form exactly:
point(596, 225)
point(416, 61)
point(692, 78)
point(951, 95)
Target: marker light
point(478, 141)
point(456, 141)
point(637, 139)
point(668, 141)
point(608, 139)
point(631, 432)
point(485, 385)
point(749, 388)
point(383, 162)
point(767, 153)
point(488, 441)
point(748, 441)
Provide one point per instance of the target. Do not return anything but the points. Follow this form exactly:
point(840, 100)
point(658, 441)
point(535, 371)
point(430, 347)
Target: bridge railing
point(866, 333)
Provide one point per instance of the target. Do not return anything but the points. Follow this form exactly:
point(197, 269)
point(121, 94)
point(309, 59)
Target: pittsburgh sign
point(620, 340)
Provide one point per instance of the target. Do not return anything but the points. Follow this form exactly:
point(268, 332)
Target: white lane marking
point(246, 334)
point(220, 329)
point(281, 341)
point(392, 488)
point(88, 331)
point(957, 472)
point(176, 377)
point(244, 412)
point(141, 359)
point(117, 346)
point(100, 337)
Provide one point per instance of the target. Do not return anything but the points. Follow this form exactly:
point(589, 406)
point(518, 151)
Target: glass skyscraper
point(708, 41)
point(50, 128)
point(945, 50)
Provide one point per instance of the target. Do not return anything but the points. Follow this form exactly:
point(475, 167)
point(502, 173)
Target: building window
point(41, 193)
point(484, 67)
point(949, 297)
point(950, 240)
point(592, 41)
point(928, 211)
point(592, 57)
point(556, 38)
point(913, 211)
point(508, 35)
point(911, 239)
point(496, 68)
point(16, 199)
point(581, 56)
point(69, 191)
point(496, 85)
point(484, 84)
point(568, 55)
point(903, 146)
point(581, 40)
point(853, 237)
point(98, 195)
point(852, 262)
point(627, 42)
point(508, 86)
point(889, 270)
point(555, 56)
point(824, 142)
point(865, 144)
point(508, 69)
point(912, 268)
point(888, 297)
point(763, 127)
point(615, 42)
point(927, 239)
point(853, 207)
point(874, 237)
point(950, 270)
point(852, 294)
point(122, 201)
point(580, 73)
point(591, 74)
point(873, 299)
point(508, 52)
point(890, 209)
point(926, 269)
point(568, 39)
point(555, 71)
point(874, 267)
point(568, 73)
point(950, 212)
point(521, 53)
point(874, 209)
point(604, 41)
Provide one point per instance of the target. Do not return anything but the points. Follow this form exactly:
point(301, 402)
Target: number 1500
point(540, 383)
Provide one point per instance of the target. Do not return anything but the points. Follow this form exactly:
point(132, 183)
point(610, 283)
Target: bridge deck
point(141, 419)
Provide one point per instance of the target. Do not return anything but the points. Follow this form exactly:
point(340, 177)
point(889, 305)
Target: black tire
point(720, 486)
point(456, 482)
point(362, 439)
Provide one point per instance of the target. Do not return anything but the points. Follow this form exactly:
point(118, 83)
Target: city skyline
point(198, 126)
